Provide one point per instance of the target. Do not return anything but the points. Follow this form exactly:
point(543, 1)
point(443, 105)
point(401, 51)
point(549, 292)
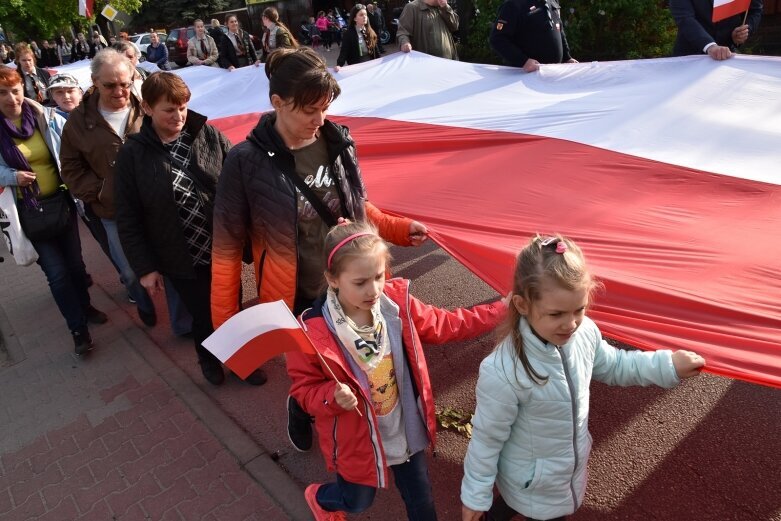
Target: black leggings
point(501, 511)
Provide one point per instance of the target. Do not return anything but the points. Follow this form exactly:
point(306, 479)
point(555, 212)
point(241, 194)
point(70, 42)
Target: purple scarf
point(13, 157)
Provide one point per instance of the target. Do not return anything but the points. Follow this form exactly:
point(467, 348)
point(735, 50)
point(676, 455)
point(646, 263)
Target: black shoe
point(90, 282)
point(95, 316)
point(82, 341)
point(257, 377)
point(299, 426)
point(212, 371)
point(150, 319)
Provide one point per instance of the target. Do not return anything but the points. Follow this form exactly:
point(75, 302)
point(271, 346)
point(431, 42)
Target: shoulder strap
point(320, 207)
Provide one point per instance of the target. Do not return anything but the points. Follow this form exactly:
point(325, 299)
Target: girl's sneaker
point(310, 494)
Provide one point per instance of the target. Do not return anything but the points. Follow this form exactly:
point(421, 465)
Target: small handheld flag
point(723, 9)
point(257, 334)
point(85, 8)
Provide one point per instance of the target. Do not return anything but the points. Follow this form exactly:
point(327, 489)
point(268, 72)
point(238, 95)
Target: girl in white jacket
point(530, 431)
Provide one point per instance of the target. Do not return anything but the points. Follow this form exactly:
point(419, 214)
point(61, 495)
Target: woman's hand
point(467, 514)
point(344, 397)
point(152, 282)
point(336, 68)
point(687, 363)
point(407, 47)
point(418, 233)
point(24, 178)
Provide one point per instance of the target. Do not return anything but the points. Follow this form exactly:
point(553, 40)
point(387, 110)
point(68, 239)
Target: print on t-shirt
point(321, 184)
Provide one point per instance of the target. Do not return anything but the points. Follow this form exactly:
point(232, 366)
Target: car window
point(144, 39)
point(173, 36)
point(190, 32)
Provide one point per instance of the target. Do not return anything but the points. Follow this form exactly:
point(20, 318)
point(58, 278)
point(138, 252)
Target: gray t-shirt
point(313, 166)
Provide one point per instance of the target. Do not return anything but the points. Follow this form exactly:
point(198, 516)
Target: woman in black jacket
point(166, 178)
point(359, 43)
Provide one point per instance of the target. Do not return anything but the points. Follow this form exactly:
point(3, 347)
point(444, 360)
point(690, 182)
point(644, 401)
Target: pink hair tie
point(342, 243)
point(561, 247)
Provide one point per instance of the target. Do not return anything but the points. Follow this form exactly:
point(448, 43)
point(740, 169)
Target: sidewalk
point(122, 433)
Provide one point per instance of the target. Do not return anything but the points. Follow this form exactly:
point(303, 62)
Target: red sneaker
point(317, 511)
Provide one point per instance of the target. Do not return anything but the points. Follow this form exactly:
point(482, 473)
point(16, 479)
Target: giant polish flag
point(255, 335)
point(667, 172)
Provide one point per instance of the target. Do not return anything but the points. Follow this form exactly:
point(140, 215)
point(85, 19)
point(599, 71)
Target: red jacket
point(351, 444)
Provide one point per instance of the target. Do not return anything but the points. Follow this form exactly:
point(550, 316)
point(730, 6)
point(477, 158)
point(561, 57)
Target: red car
point(177, 43)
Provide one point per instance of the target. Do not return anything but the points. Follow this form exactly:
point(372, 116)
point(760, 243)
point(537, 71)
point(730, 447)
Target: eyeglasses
point(121, 85)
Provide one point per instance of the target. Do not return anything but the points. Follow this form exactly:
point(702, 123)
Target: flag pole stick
point(332, 373)
point(322, 359)
point(745, 17)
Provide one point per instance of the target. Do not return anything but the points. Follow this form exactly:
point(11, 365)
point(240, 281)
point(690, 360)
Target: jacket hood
point(266, 137)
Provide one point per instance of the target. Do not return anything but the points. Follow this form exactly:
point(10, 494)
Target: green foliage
point(172, 13)
point(36, 19)
point(596, 29)
point(618, 29)
point(476, 48)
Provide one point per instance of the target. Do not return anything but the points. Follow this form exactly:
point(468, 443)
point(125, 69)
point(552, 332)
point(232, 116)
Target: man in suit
point(697, 34)
point(236, 49)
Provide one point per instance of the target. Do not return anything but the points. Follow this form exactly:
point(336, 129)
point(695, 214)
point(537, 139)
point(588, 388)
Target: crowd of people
point(177, 209)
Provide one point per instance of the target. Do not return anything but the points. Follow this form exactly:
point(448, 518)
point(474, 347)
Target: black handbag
point(50, 219)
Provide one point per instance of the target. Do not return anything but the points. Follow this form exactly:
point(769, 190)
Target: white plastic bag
point(17, 242)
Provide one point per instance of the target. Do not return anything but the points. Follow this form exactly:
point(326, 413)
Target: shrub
point(596, 29)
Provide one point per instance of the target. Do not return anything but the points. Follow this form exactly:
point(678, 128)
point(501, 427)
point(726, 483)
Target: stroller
point(309, 34)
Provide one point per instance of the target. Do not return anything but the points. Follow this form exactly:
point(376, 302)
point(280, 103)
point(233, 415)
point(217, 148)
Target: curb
point(252, 458)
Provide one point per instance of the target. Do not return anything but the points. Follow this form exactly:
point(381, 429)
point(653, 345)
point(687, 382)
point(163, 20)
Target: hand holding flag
point(257, 334)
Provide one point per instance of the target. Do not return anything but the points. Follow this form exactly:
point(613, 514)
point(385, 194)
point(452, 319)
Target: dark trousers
point(61, 262)
point(501, 511)
point(196, 295)
point(411, 479)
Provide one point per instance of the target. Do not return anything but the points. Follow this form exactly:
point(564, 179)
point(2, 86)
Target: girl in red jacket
point(372, 402)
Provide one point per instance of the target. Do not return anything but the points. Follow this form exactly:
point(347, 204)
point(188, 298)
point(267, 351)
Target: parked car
point(142, 41)
point(177, 43)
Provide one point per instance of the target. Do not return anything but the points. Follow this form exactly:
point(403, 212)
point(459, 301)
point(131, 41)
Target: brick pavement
point(122, 434)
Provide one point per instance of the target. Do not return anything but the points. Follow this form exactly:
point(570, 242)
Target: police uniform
point(529, 29)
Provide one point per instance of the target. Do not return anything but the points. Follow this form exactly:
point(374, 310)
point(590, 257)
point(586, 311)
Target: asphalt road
point(706, 450)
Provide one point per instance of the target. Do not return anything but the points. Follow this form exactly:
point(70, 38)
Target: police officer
point(528, 33)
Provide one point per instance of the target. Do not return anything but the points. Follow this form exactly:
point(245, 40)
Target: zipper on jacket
point(415, 350)
point(574, 424)
point(261, 263)
point(336, 422)
point(368, 415)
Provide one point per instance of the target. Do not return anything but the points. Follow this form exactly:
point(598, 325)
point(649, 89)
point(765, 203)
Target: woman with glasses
point(29, 165)
point(359, 43)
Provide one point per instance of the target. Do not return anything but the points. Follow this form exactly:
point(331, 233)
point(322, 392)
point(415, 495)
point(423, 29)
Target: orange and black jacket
point(256, 202)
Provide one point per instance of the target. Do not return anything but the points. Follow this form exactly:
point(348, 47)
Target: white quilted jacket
point(532, 440)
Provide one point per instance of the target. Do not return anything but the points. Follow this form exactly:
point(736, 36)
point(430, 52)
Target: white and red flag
point(664, 171)
point(725, 8)
point(259, 333)
point(85, 8)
